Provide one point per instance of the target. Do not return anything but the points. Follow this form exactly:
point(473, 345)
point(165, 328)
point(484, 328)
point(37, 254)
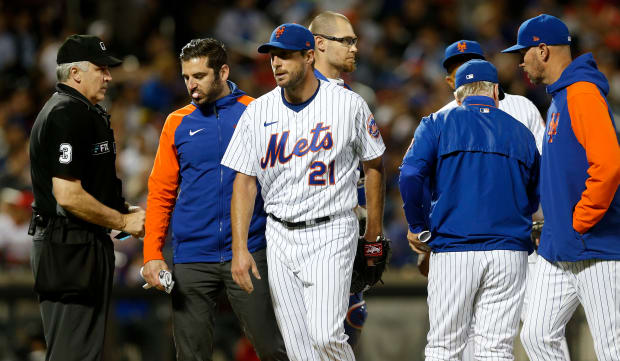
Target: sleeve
point(162, 191)
point(536, 124)
point(369, 143)
point(238, 155)
point(417, 165)
point(533, 187)
point(66, 142)
point(594, 130)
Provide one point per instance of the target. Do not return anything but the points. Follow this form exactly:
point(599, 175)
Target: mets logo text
point(461, 47)
point(280, 31)
point(276, 148)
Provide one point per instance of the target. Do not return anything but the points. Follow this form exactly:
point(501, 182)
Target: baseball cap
point(541, 29)
point(467, 49)
point(475, 70)
point(289, 37)
point(85, 48)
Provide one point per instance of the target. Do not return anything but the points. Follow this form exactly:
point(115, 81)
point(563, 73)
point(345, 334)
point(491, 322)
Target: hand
point(134, 222)
point(242, 261)
point(151, 272)
point(415, 244)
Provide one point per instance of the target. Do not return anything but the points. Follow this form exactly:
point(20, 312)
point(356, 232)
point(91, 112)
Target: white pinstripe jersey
point(305, 160)
point(523, 110)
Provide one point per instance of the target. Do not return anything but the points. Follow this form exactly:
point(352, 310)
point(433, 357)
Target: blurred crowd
point(399, 73)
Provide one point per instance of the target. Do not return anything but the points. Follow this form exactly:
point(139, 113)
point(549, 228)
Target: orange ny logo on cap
point(280, 31)
point(535, 38)
point(461, 47)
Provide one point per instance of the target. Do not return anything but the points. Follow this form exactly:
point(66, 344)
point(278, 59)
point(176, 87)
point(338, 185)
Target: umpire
point(77, 201)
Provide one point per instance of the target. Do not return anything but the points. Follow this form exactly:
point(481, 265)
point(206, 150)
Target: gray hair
point(475, 88)
point(63, 70)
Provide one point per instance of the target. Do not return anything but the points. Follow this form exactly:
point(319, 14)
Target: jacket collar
point(71, 91)
point(479, 100)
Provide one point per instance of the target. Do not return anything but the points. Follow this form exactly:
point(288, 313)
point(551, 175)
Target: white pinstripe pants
point(479, 292)
point(468, 353)
point(558, 288)
point(309, 278)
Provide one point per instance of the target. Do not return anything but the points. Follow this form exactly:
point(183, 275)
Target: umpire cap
point(85, 48)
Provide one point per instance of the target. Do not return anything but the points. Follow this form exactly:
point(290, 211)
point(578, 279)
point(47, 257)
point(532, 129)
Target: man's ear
point(75, 74)
point(224, 72)
point(310, 56)
point(319, 43)
point(450, 81)
point(543, 52)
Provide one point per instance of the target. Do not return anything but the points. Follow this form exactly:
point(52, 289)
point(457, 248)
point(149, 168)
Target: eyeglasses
point(348, 41)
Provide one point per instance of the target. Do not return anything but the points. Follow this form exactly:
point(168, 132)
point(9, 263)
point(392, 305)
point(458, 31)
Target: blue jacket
point(189, 183)
point(580, 170)
point(483, 170)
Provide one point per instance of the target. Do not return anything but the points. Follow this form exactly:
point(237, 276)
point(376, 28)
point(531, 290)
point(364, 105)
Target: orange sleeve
point(163, 185)
point(594, 130)
point(245, 100)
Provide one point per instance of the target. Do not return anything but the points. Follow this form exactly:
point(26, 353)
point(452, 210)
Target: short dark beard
point(295, 80)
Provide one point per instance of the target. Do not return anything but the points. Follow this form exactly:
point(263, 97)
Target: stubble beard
point(536, 73)
point(212, 93)
point(295, 78)
point(347, 67)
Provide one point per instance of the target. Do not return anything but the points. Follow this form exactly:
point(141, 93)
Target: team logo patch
point(553, 126)
point(535, 38)
point(372, 127)
point(102, 45)
point(484, 110)
point(461, 47)
point(101, 148)
point(66, 153)
point(280, 31)
point(373, 249)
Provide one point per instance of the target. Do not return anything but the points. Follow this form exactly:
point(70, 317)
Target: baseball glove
point(365, 276)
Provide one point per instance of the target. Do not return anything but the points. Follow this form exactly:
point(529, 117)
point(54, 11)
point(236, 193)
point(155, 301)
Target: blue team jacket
point(483, 169)
point(189, 183)
point(580, 169)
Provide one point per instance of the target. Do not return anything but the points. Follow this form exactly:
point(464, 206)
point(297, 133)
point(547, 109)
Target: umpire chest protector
point(72, 138)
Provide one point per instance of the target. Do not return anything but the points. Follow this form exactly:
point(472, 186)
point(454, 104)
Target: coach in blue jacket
point(483, 168)
point(190, 190)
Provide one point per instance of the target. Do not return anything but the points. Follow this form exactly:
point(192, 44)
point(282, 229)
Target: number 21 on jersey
point(317, 175)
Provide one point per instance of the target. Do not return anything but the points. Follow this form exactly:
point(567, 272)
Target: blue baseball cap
point(289, 37)
point(466, 49)
point(541, 29)
point(475, 70)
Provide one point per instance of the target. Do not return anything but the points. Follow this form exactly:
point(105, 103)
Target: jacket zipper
point(221, 191)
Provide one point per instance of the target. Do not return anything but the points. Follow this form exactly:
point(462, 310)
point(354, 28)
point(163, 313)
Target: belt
point(41, 222)
point(302, 224)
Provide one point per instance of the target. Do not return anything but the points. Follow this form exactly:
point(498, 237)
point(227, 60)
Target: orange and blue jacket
point(580, 169)
point(191, 191)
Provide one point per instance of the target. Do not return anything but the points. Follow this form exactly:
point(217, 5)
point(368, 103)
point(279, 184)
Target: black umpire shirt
point(72, 138)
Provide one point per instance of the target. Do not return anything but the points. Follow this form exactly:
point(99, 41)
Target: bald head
point(326, 22)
